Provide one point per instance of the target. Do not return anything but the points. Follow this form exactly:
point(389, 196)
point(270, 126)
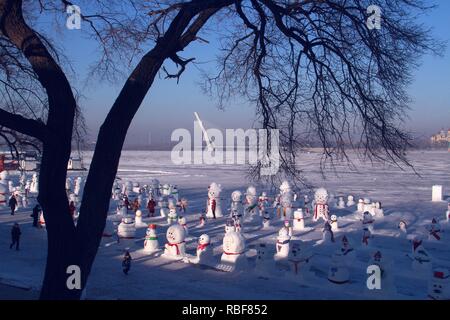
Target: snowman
point(334, 223)
point(236, 208)
point(138, 218)
point(213, 202)
point(233, 257)
point(350, 201)
point(24, 200)
point(79, 186)
point(378, 210)
point(434, 230)
point(3, 188)
point(69, 185)
point(368, 221)
point(360, 206)
point(172, 216)
point(263, 203)
point(288, 227)
point(11, 187)
point(264, 264)
point(285, 199)
point(321, 204)
point(341, 203)
point(266, 220)
point(447, 214)
point(251, 202)
point(299, 259)
point(439, 285)
point(34, 187)
point(204, 251)
point(136, 188)
point(387, 280)
point(127, 228)
point(163, 206)
point(151, 239)
point(282, 245)
point(347, 249)
point(229, 226)
point(327, 233)
point(367, 205)
point(174, 193)
point(299, 221)
point(176, 245)
point(402, 226)
point(366, 235)
point(182, 222)
point(421, 260)
point(339, 272)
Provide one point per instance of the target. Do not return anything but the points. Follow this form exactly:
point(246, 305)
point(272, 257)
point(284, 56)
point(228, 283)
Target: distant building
point(442, 138)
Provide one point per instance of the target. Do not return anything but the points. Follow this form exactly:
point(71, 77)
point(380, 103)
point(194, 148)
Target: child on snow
point(35, 215)
point(15, 236)
point(12, 204)
point(126, 263)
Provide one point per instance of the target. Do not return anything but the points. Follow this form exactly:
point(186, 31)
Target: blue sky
point(169, 106)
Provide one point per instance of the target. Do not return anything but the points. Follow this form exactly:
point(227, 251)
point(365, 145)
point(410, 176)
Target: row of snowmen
point(21, 191)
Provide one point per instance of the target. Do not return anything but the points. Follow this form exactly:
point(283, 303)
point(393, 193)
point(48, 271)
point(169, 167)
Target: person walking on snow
point(35, 215)
point(151, 207)
point(12, 204)
point(126, 263)
point(15, 236)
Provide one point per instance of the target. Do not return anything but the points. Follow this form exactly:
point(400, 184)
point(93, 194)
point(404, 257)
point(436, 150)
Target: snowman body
point(213, 202)
point(334, 223)
point(282, 244)
point(175, 246)
point(127, 228)
point(299, 221)
point(341, 203)
point(204, 250)
point(163, 206)
point(182, 222)
point(321, 209)
point(236, 207)
point(233, 251)
point(151, 240)
point(360, 206)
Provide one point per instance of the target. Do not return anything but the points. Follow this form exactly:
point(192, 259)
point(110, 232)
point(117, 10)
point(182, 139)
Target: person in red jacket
point(151, 207)
point(72, 208)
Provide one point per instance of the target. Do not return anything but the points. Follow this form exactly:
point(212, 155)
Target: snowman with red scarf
point(175, 248)
point(233, 256)
point(321, 209)
point(204, 252)
point(214, 210)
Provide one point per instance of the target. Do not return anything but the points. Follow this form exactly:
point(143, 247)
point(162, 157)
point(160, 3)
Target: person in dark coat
point(151, 207)
point(12, 204)
point(126, 263)
point(72, 209)
point(35, 215)
point(15, 236)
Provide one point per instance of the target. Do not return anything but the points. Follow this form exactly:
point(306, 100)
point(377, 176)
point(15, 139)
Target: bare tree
point(310, 67)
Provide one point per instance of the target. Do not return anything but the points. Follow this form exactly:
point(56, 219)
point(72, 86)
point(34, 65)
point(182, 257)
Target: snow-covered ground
point(404, 195)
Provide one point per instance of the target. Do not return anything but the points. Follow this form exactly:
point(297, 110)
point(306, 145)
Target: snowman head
point(378, 205)
point(298, 214)
point(236, 196)
point(402, 225)
point(204, 239)
point(350, 198)
point(138, 213)
point(229, 226)
point(283, 233)
point(175, 234)
point(151, 229)
point(233, 242)
point(341, 199)
point(261, 252)
point(251, 192)
point(182, 220)
point(214, 190)
point(333, 218)
point(321, 196)
point(285, 187)
point(361, 201)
